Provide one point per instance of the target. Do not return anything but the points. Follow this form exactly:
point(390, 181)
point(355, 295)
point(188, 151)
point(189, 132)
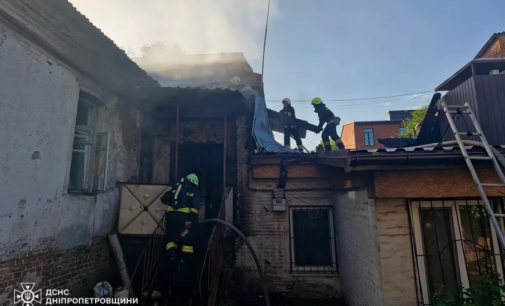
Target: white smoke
point(198, 26)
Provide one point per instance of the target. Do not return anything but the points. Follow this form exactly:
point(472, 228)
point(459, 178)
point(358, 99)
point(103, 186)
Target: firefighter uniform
point(183, 204)
point(290, 127)
point(326, 116)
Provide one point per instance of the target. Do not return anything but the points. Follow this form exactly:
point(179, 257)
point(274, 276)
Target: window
point(88, 169)
point(312, 239)
point(454, 244)
point(369, 141)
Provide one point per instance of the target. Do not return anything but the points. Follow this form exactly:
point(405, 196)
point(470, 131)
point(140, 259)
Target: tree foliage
point(410, 123)
point(487, 291)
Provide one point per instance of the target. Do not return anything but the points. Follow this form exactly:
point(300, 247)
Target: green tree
point(410, 123)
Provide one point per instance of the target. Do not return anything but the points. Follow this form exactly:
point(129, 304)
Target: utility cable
point(360, 99)
point(265, 43)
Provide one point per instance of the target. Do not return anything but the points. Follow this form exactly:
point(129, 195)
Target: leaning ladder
point(465, 109)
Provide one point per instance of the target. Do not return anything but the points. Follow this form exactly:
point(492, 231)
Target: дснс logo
point(27, 296)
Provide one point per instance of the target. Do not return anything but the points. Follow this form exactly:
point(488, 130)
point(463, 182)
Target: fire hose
point(251, 249)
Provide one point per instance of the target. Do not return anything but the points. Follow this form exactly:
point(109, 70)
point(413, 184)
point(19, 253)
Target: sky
point(332, 49)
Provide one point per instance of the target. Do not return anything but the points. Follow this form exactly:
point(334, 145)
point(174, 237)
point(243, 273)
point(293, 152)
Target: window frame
point(302, 269)
point(367, 136)
point(419, 253)
point(91, 127)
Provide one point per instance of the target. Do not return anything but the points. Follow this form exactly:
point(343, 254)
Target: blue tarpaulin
point(262, 132)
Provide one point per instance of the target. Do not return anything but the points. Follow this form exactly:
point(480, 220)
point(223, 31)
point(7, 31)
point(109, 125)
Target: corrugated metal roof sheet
point(427, 149)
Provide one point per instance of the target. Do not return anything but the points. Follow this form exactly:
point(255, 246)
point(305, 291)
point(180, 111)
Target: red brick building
point(365, 134)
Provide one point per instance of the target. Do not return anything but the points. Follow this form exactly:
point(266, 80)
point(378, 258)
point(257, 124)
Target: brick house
point(361, 222)
point(81, 120)
point(67, 137)
point(365, 134)
point(382, 227)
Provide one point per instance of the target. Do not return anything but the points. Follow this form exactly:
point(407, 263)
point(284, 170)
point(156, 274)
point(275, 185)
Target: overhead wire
point(359, 99)
point(265, 42)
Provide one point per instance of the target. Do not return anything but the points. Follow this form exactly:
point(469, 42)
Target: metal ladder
point(465, 109)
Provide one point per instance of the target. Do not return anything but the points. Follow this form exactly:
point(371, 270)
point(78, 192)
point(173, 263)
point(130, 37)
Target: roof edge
point(489, 42)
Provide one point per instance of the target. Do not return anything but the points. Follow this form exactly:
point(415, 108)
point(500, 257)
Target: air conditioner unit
point(279, 204)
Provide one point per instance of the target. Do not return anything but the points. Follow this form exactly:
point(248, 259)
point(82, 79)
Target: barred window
point(312, 239)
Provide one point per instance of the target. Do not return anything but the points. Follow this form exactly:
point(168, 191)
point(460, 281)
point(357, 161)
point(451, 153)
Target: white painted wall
point(358, 248)
point(398, 276)
point(38, 104)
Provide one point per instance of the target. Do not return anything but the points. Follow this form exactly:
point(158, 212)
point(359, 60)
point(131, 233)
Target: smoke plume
point(198, 26)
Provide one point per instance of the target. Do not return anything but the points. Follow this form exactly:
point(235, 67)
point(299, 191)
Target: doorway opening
point(206, 161)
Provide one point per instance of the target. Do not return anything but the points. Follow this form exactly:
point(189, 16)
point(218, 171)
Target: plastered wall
point(38, 104)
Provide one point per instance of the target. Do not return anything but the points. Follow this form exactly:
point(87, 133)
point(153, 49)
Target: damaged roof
point(403, 159)
point(386, 159)
point(58, 27)
point(192, 102)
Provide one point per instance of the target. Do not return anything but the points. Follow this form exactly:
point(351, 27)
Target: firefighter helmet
point(287, 101)
point(193, 178)
point(316, 101)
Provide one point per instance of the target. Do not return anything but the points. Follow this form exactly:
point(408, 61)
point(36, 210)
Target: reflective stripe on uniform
point(194, 210)
point(327, 143)
point(171, 245)
point(187, 249)
point(177, 193)
point(331, 121)
point(184, 209)
point(289, 114)
point(338, 141)
point(300, 147)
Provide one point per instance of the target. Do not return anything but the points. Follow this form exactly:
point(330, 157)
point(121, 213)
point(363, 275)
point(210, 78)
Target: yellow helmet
point(193, 178)
point(287, 101)
point(316, 101)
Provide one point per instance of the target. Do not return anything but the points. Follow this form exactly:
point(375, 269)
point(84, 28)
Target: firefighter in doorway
point(290, 127)
point(326, 116)
point(183, 204)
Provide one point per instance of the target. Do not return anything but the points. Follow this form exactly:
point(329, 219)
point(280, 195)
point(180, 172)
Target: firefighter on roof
point(326, 116)
point(183, 203)
point(290, 127)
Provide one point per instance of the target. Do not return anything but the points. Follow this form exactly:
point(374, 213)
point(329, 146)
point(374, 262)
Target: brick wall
point(269, 234)
point(348, 137)
point(77, 270)
point(379, 131)
point(395, 253)
point(358, 249)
